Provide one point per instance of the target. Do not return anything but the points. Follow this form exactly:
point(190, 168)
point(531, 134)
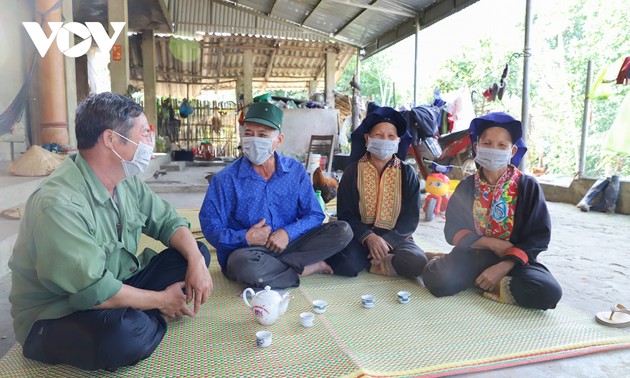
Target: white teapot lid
point(268, 293)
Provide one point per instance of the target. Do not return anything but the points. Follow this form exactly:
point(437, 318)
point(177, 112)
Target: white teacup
point(404, 296)
point(368, 301)
point(307, 319)
point(319, 306)
point(263, 338)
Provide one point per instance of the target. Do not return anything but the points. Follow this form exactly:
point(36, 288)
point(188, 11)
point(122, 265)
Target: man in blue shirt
point(261, 213)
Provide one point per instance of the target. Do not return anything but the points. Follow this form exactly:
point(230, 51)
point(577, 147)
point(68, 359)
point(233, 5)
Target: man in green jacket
point(80, 295)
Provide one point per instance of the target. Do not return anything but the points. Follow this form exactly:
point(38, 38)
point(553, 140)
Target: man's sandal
point(618, 317)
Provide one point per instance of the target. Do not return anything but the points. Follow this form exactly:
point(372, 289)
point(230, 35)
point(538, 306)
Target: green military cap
point(266, 114)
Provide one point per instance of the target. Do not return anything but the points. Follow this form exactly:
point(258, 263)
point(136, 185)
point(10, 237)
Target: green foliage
point(343, 85)
point(376, 81)
point(478, 69)
point(301, 94)
point(565, 36)
point(585, 33)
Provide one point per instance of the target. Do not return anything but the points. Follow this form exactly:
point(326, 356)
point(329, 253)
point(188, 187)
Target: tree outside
point(564, 37)
point(377, 82)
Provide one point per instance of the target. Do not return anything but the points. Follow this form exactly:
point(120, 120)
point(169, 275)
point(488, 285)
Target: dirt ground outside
point(589, 255)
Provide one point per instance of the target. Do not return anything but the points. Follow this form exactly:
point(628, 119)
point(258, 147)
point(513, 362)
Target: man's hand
point(378, 248)
point(198, 283)
point(489, 278)
point(258, 233)
point(278, 241)
point(173, 303)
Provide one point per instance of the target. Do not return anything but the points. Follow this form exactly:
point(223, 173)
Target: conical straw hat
point(36, 162)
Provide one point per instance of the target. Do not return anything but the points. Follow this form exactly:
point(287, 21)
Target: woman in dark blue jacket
point(498, 222)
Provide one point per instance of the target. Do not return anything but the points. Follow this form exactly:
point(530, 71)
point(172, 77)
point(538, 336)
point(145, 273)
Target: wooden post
point(248, 75)
point(149, 76)
point(119, 69)
point(53, 110)
point(331, 60)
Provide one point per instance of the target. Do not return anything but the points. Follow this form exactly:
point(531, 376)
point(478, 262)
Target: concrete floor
point(588, 255)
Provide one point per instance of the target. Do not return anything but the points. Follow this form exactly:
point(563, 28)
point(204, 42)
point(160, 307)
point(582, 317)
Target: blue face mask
point(257, 149)
point(140, 161)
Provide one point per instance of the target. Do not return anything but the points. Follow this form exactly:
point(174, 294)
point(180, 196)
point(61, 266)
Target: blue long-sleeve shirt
point(238, 198)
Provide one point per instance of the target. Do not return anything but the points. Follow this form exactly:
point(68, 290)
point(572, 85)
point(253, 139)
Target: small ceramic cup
point(319, 306)
point(263, 338)
point(368, 301)
point(307, 319)
point(404, 296)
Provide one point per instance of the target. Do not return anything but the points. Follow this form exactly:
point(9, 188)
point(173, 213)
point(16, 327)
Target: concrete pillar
point(312, 88)
point(150, 79)
point(119, 70)
point(331, 59)
point(53, 108)
point(71, 83)
point(248, 75)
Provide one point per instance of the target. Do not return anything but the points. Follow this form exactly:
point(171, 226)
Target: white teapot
point(267, 305)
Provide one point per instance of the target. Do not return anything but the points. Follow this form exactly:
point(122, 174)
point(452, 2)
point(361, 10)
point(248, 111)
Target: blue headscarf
point(377, 115)
point(505, 121)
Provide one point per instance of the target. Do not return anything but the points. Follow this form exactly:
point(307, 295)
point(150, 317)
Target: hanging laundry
point(619, 133)
point(624, 73)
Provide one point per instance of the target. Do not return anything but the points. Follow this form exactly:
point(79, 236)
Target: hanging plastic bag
point(185, 109)
point(344, 135)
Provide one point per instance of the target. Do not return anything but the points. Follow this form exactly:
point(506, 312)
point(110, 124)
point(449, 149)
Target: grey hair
point(104, 111)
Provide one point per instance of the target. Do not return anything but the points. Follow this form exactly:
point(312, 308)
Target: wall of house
point(299, 124)
point(15, 59)
point(578, 188)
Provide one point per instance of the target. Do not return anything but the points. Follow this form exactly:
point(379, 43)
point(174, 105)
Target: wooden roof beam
point(310, 13)
point(372, 6)
point(294, 25)
point(271, 58)
point(272, 8)
point(219, 61)
point(353, 18)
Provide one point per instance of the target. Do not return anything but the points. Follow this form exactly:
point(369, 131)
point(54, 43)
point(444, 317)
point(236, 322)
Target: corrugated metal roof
point(289, 37)
point(143, 14)
point(215, 62)
point(359, 23)
point(208, 16)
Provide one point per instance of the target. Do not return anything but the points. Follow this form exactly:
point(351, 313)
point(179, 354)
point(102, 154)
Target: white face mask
point(140, 161)
point(382, 148)
point(257, 149)
point(493, 159)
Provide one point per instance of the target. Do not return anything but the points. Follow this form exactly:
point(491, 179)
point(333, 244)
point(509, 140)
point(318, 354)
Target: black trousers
point(532, 285)
point(109, 339)
point(257, 266)
point(408, 259)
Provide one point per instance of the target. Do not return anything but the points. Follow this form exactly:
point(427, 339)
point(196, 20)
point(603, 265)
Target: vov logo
point(61, 33)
